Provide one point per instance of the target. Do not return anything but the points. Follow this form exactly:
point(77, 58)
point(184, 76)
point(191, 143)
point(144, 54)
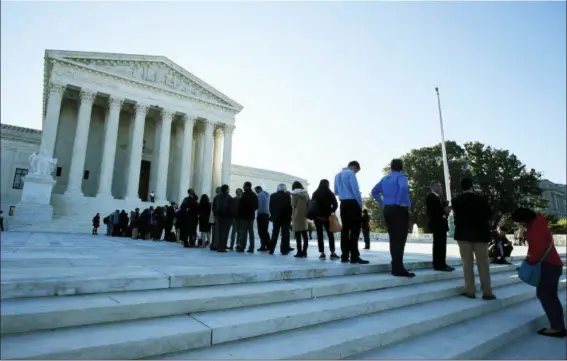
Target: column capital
point(229, 129)
point(87, 95)
point(209, 123)
point(141, 108)
point(189, 119)
point(115, 102)
point(218, 132)
point(56, 89)
point(167, 114)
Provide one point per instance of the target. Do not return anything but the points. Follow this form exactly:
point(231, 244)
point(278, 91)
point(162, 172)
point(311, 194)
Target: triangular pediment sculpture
point(155, 70)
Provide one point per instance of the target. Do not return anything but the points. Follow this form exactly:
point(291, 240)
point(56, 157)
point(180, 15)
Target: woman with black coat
point(325, 204)
point(204, 225)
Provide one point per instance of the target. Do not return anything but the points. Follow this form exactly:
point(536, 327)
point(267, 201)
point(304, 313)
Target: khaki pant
point(469, 252)
point(134, 233)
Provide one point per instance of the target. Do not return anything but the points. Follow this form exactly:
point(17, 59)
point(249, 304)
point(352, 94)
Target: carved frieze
point(155, 73)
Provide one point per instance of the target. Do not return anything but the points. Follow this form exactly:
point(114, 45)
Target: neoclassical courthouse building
point(115, 128)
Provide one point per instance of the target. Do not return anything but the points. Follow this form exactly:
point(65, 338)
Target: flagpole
point(445, 161)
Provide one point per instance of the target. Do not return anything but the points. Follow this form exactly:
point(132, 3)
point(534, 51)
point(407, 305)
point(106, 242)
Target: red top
point(539, 239)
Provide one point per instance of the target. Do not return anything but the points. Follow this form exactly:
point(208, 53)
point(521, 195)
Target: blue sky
point(326, 83)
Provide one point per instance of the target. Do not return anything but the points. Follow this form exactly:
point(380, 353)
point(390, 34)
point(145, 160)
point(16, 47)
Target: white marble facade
point(121, 126)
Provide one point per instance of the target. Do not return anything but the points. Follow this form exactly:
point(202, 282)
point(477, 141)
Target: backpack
point(312, 209)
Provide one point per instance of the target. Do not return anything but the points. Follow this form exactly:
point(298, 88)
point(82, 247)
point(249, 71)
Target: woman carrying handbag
point(542, 268)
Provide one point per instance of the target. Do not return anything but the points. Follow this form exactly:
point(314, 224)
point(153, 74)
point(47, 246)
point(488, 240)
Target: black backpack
point(312, 209)
point(225, 206)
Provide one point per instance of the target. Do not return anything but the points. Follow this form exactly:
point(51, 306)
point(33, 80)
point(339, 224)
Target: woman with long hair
point(325, 205)
point(299, 223)
point(541, 249)
point(204, 225)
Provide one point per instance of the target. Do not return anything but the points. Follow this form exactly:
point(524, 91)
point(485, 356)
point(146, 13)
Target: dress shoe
point(443, 269)
point(488, 297)
point(403, 274)
point(359, 261)
point(549, 333)
point(467, 295)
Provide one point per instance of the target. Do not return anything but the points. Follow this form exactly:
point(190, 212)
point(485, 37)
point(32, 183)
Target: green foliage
point(497, 174)
point(559, 226)
point(375, 212)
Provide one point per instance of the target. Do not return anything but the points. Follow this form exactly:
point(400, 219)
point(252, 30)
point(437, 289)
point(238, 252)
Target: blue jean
point(546, 292)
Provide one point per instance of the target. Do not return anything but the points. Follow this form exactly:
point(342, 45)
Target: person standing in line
point(223, 213)
point(280, 212)
point(263, 218)
point(366, 228)
point(300, 202)
point(134, 223)
point(234, 226)
point(2, 221)
point(204, 227)
point(540, 242)
point(437, 212)
point(325, 204)
point(189, 217)
point(348, 191)
point(212, 220)
point(247, 207)
point(96, 223)
point(392, 193)
point(472, 232)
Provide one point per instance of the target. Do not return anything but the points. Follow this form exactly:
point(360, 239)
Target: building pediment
point(154, 70)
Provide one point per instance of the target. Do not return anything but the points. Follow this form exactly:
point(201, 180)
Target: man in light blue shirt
point(392, 193)
point(263, 218)
point(346, 188)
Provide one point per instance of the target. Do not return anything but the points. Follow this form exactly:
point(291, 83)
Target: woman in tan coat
point(300, 204)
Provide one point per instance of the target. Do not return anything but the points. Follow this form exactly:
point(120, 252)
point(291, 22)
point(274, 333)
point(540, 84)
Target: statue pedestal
point(35, 205)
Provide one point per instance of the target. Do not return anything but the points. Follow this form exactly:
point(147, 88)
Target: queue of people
point(292, 210)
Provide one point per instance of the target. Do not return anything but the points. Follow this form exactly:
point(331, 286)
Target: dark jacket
point(280, 207)
point(326, 202)
point(365, 224)
point(169, 216)
point(472, 218)
point(223, 206)
point(134, 220)
point(205, 212)
point(437, 218)
point(247, 205)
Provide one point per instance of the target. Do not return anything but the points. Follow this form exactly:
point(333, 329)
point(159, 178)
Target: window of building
point(86, 175)
point(59, 170)
point(19, 178)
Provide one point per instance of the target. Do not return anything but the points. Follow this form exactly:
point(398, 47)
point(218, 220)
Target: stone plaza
point(96, 297)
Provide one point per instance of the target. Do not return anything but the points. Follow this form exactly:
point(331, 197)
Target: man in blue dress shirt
point(346, 188)
point(392, 193)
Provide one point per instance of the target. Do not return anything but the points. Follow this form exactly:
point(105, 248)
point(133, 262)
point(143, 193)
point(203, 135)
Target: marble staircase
point(332, 313)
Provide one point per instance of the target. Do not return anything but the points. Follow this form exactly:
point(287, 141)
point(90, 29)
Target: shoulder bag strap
point(547, 251)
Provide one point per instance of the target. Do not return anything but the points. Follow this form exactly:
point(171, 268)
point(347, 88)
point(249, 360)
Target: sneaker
point(322, 257)
point(334, 256)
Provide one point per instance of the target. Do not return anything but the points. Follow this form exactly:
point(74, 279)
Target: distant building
point(556, 195)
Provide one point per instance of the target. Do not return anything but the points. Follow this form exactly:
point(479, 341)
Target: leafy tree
point(497, 174)
point(375, 212)
point(504, 179)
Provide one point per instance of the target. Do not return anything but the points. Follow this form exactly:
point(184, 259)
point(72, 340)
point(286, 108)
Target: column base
point(133, 199)
point(74, 193)
point(160, 202)
point(104, 196)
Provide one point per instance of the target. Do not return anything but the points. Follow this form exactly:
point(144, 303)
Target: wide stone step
point(31, 314)
point(344, 338)
point(471, 339)
point(152, 337)
point(32, 282)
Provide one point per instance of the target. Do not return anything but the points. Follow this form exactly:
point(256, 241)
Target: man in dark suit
point(280, 212)
point(437, 212)
point(472, 232)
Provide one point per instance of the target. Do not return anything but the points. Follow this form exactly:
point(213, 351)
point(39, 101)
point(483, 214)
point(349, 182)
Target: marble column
point(109, 147)
point(207, 169)
point(79, 154)
point(217, 159)
point(186, 152)
point(198, 166)
point(227, 154)
point(51, 120)
point(136, 148)
point(163, 158)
